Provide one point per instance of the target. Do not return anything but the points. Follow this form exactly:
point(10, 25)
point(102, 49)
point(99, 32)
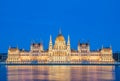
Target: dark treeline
point(116, 56)
point(3, 57)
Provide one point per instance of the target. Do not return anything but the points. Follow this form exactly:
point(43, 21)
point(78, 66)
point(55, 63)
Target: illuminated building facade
point(60, 52)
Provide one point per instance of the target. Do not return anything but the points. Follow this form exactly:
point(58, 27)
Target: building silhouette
point(60, 52)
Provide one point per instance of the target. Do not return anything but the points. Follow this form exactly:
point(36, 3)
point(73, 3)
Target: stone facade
point(60, 52)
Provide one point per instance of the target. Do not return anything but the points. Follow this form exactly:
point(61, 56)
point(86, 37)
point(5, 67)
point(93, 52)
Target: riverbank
point(70, 64)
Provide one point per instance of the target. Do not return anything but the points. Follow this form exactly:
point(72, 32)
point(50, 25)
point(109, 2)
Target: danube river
point(59, 73)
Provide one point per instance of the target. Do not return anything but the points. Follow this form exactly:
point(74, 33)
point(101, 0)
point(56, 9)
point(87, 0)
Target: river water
point(59, 73)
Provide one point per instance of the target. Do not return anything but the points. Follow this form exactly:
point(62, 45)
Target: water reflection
point(3, 73)
point(59, 73)
point(92, 73)
point(117, 73)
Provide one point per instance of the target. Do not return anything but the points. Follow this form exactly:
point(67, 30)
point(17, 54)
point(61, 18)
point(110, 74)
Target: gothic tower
point(50, 45)
point(68, 45)
point(79, 47)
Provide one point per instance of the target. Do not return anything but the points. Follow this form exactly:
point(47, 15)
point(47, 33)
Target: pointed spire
point(9, 47)
point(17, 46)
point(102, 46)
point(50, 39)
point(79, 46)
point(60, 32)
point(50, 43)
point(110, 46)
point(79, 42)
point(68, 43)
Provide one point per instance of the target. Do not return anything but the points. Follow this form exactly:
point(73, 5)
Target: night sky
point(25, 21)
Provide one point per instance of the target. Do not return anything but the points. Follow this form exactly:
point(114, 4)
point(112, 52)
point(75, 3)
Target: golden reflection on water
point(60, 73)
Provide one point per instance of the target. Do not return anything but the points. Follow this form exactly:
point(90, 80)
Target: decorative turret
point(68, 43)
point(41, 47)
point(9, 47)
point(50, 43)
point(79, 46)
point(37, 47)
point(102, 46)
point(83, 47)
point(110, 46)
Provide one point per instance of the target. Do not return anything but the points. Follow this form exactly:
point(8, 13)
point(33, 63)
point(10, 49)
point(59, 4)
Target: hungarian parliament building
point(59, 53)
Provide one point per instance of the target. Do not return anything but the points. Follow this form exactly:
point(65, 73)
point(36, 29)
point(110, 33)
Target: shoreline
point(55, 64)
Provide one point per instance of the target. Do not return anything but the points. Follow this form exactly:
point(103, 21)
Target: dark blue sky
point(22, 21)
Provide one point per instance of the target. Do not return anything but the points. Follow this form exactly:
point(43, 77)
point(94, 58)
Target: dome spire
point(60, 31)
point(60, 36)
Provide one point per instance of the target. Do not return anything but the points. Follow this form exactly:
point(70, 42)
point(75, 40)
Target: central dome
point(60, 38)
